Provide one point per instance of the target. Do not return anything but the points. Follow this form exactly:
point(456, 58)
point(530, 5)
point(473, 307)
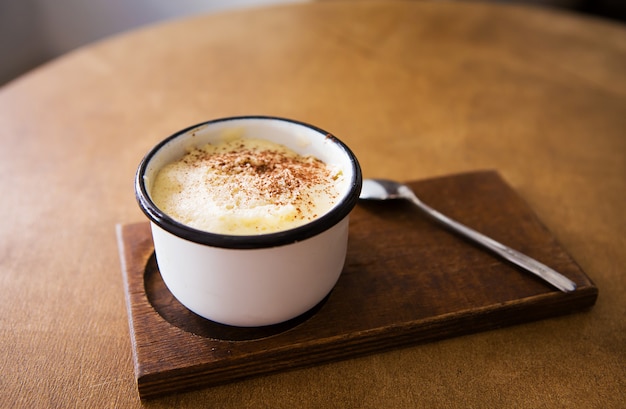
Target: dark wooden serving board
point(406, 281)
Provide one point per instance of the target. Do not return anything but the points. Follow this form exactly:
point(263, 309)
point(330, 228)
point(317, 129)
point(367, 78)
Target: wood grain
point(406, 281)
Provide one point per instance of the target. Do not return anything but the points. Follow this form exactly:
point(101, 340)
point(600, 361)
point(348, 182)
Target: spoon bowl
point(384, 189)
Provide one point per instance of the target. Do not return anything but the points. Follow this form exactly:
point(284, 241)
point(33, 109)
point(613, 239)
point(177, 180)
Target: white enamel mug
point(253, 280)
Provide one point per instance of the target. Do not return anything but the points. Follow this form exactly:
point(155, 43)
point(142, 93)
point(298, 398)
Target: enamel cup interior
point(300, 138)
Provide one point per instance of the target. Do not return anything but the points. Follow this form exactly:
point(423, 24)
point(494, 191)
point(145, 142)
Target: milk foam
point(246, 187)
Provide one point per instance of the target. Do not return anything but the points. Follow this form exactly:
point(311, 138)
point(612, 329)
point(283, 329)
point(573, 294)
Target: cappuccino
point(246, 187)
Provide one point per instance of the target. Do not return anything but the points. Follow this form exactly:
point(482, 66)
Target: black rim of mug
point(281, 238)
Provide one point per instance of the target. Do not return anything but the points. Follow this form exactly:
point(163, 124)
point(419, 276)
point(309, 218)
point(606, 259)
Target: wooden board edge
point(367, 342)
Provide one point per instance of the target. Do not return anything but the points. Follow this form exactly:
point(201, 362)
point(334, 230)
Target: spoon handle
point(530, 264)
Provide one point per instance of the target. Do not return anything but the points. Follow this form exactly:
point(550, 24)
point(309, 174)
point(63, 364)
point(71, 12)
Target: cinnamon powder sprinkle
point(248, 186)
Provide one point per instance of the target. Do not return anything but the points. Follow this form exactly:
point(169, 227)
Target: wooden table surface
point(417, 89)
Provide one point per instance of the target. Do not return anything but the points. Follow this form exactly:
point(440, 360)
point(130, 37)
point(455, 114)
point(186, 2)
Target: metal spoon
point(380, 189)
